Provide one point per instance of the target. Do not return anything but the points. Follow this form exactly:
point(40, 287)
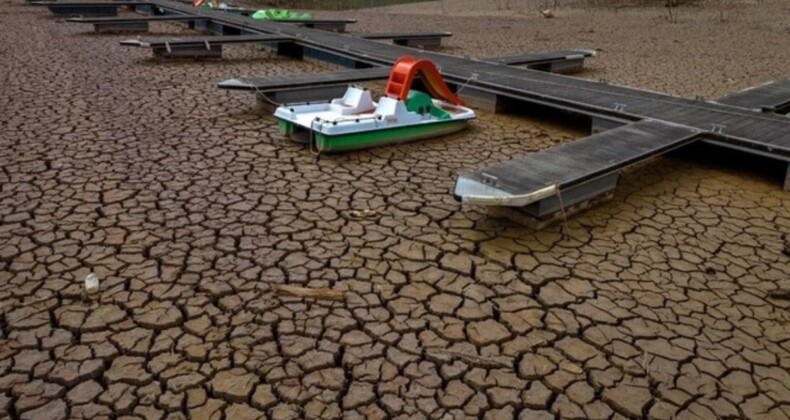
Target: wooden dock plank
point(133, 19)
point(402, 35)
point(305, 79)
point(772, 97)
point(588, 157)
point(202, 40)
point(540, 57)
point(571, 164)
point(90, 3)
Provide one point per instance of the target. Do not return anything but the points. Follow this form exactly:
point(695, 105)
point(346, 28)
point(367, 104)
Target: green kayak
point(280, 14)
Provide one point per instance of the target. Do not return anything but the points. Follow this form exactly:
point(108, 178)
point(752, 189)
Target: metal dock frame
point(199, 47)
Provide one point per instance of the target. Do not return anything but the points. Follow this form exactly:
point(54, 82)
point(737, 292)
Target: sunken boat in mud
point(403, 114)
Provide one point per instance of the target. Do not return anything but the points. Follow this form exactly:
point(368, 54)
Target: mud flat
point(192, 209)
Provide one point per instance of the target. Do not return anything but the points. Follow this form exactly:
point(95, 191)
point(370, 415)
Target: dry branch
point(305, 292)
point(473, 359)
point(780, 294)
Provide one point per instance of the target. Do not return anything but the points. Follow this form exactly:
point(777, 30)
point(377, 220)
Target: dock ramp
point(546, 182)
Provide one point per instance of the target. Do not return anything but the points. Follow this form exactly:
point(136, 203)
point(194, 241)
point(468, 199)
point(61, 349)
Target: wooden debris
point(473, 359)
point(362, 214)
point(572, 368)
point(306, 292)
point(74, 220)
point(779, 294)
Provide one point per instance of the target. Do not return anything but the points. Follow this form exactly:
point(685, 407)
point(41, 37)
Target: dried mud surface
point(191, 209)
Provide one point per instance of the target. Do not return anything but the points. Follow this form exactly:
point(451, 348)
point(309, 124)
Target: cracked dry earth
point(191, 209)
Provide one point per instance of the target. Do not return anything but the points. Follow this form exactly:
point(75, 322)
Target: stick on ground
point(305, 292)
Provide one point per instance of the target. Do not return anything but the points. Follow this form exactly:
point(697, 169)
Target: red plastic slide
point(402, 76)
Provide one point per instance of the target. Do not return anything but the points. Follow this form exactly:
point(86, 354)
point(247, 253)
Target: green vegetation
point(336, 4)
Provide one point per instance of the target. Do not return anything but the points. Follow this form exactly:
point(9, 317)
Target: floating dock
point(328, 85)
point(418, 40)
point(543, 183)
point(130, 24)
point(563, 61)
point(89, 9)
point(198, 46)
point(771, 97)
point(731, 122)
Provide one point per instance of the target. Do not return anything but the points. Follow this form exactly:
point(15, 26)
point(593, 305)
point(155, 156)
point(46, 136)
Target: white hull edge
point(470, 191)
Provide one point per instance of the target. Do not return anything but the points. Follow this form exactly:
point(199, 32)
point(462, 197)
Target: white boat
point(356, 121)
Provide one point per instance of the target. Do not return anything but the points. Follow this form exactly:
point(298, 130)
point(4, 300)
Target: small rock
point(91, 283)
point(547, 13)
point(572, 368)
